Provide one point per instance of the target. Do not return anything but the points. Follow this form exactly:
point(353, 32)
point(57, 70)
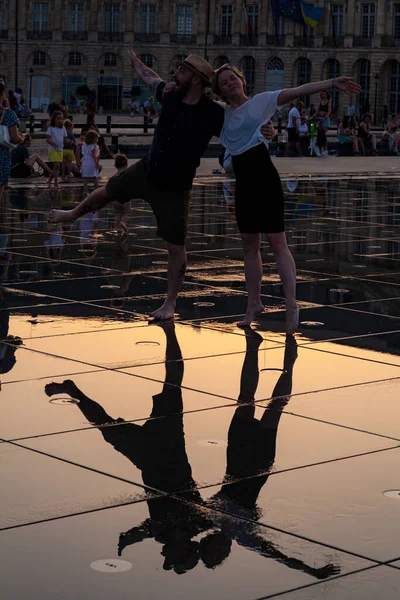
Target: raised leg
point(95, 201)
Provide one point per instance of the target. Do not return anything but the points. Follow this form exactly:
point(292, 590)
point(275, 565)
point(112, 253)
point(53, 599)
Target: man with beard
point(164, 178)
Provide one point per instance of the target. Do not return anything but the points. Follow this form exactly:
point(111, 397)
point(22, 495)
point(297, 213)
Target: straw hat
point(198, 65)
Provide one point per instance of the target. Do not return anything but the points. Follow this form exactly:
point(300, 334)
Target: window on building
point(225, 24)
point(333, 71)
point(148, 60)
point(147, 18)
point(111, 18)
point(1, 17)
point(364, 79)
point(279, 24)
point(39, 58)
point(75, 59)
point(396, 21)
point(75, 17)
point(304, 76)
point(252, 11)
point(337, 12)
point(110, 59)
point(220, 61)
point(184, 19)
point(394, 87)
point(40, 17)
point(368, 21)
point(249, 72)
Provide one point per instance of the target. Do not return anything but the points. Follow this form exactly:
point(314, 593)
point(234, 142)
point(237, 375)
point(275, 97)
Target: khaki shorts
point(170, 207)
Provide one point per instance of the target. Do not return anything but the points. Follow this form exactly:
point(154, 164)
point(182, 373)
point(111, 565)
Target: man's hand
point(170, 87)
point(132, 56)
point(268, 131)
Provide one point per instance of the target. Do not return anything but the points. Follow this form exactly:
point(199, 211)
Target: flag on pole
point(249, 25)
point(297, 10)
point(311, 14)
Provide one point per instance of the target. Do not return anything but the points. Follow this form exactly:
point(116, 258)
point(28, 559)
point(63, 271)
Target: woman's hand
point(347, 85)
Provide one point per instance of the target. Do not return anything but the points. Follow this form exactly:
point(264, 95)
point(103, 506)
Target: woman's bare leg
point(287, 272)
point(253, 273)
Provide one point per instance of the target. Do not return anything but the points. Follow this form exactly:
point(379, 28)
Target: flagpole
point(207, 29)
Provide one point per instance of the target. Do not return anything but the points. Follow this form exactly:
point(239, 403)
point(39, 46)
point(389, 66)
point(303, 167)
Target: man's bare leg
point(287, 272)
point(176, 272)
point(253, 273)
point(97, 200)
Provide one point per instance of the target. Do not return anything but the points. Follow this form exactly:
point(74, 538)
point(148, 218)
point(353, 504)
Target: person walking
point(255, 171)
point(8, 119)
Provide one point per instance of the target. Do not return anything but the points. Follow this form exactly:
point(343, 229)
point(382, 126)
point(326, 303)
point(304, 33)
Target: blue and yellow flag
point(311, 14)
point(297, 10)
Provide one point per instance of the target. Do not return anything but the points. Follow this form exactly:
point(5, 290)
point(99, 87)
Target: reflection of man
point(157, 448)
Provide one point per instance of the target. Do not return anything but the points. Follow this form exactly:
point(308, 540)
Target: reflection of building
point(69, 43)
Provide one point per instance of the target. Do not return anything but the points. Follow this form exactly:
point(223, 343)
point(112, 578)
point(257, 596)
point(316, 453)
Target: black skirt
point(259, 201)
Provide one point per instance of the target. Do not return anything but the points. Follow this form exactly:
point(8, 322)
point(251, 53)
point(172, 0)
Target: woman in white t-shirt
point(259, 202)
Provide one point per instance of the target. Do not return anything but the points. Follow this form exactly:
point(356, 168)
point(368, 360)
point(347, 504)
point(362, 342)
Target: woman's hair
point(346, 121)
point(90, 119)
point(68, 124)
point(328, 94)
point(10, 93)
point(91, 138)
point(54, 117)
point(27, 138)
point(121, 161)
point(2, 88)
point(63, 103)
point(217, 73)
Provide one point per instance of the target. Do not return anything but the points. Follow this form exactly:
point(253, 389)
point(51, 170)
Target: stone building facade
point(49, 48)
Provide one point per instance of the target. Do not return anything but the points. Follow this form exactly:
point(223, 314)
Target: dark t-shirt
point(180, 139)
point(19, 155)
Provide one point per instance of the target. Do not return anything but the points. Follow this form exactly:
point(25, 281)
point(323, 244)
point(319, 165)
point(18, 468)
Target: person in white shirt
point(293, 129)
point(258, 213)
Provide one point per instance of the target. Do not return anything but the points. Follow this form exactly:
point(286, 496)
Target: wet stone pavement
point(198, 460)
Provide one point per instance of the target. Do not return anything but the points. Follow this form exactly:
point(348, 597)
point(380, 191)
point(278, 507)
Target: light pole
point(101, 88)
point(30, 87)
point(207, 29)
point(376, 77)
point(16, 42)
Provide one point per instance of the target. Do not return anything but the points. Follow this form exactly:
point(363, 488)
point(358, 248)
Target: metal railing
point(39, 35)
point(147, 37)
point(179, 38)
point(110, 36)
point(75, 35)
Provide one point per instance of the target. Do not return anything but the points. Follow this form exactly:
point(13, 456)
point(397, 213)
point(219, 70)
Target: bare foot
point(59, 216)
point(166, 311)
point(292, 319)
point(66, 387)
point(253, 339)
point(251, 313)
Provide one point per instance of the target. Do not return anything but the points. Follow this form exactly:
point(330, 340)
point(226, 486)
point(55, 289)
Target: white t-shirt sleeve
point(263, 106)
point(49, 131)
point(64, 132)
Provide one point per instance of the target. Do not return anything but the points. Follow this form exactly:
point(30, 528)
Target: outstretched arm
point(149, 77)
point(135, 535)
point(343, 84)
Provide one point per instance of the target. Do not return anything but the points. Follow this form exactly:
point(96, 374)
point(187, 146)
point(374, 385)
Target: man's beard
point(183, 88)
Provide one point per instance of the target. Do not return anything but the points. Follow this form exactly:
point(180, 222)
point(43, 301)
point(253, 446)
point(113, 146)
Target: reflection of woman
point(9, 119)
point(255, 172)
point(323, 116)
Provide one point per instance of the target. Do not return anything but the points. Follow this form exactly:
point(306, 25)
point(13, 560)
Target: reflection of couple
point(157, 448)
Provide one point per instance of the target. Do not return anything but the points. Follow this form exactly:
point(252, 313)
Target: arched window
point(39, 58)
point(249, 72)
point(364, 79)
point(110, 59)
point(219, 61)
point(75, 59)
point(304, 76)
point(394, 86)
point(333, 71)
point(275, 74)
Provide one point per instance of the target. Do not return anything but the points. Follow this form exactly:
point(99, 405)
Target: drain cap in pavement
point(64, 401)
point(111, 565)
point(203, 304)
point(147, 343)
point(394, 494)
point(312, 324)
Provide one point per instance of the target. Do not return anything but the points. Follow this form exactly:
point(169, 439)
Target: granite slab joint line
point(369, 360)
point(87, 468)
point(316, 583)
point(71, 515)
point(356, 429)
point(279, 530)
point(42, 377)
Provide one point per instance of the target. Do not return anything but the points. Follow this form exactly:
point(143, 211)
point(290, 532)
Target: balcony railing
point(180, 38)
point(110, 36)
point(275, 40)
point(4, 34)
point(75, 35)
point(39, 35)
point(222, 40)
point(150, 38)
point(304, 41)
point(249, 40)
point(362, 42)
point(332, 41)
point(388, 41)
